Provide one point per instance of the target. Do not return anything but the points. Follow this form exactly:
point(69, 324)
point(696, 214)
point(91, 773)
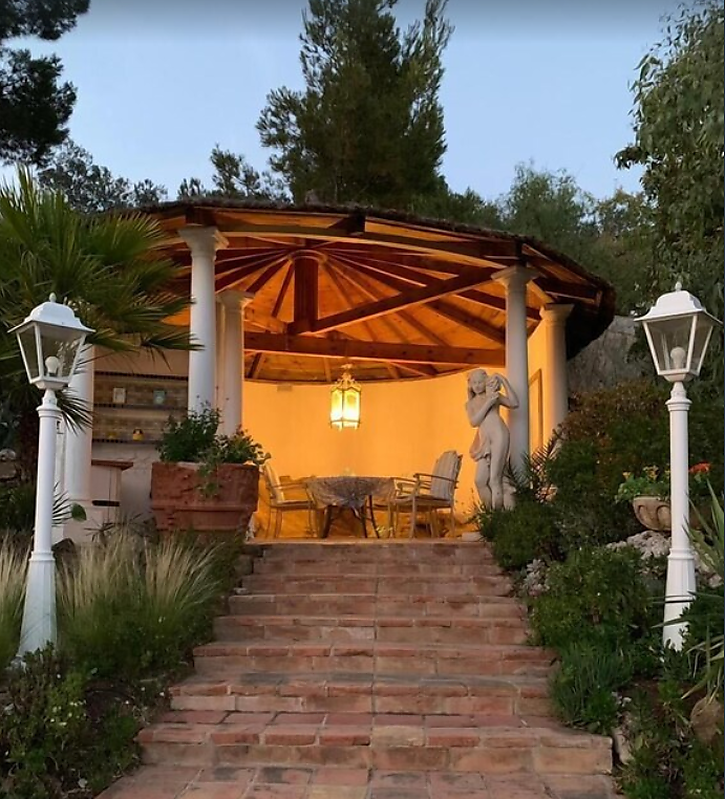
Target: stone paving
point(369, 671)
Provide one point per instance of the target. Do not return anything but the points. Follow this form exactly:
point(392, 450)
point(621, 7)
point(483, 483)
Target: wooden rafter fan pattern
point(399, 297)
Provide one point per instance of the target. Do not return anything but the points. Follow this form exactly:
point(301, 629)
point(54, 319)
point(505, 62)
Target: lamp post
point(678, 330)
point(50, 341)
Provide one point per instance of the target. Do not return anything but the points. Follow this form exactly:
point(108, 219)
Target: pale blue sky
point(160, 82)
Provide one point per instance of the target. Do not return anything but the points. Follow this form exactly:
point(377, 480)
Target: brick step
point(465, 744)
point(365, 693)
point(399, 551)
point(444, 571)
point(338, 782)
point(378, 658)
point(348, 604)
point(349, 629)
point(348, 584)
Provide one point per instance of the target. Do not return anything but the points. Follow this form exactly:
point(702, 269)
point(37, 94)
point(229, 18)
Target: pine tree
point(368, 127)
point(34, 106)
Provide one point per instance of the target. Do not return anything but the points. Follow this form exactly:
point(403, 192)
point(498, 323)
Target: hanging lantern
point(345, 402)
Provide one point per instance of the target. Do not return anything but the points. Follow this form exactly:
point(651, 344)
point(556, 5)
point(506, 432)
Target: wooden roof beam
point(468, 277)
point(234, 277)
point(371, 351)
point(341, 296)
point(353, 276)
point(264, 278)
point(462, 317)
point(414, 275)
point(422, 369)
point(306, 289)
point(447, 309)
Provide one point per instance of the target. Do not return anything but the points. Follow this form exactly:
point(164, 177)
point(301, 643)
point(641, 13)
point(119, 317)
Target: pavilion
point(284, 295)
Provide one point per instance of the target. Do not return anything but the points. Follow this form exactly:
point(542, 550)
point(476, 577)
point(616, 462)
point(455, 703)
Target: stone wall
point(608, 361)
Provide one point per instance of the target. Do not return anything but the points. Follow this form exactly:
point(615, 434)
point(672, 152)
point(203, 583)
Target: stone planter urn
point(178, 503)
point(653, 513)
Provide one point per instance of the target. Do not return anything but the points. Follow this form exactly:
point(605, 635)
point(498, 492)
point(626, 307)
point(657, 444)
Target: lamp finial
point(52, 297)
point(678, 285)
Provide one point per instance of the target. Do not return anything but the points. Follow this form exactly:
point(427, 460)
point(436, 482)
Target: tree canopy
point(91, 188)
point(368, 126)
point(34, 105)
point(679, 117)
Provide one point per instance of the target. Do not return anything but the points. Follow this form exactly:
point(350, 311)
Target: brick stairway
point(369, 670)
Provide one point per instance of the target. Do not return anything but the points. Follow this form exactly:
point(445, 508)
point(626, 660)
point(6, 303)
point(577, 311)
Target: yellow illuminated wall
point(405, 426)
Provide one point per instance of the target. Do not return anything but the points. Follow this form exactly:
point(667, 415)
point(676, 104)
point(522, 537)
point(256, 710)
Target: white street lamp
point(678, 330)
point(50, 341)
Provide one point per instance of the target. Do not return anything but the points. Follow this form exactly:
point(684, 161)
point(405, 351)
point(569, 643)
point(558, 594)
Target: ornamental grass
point(128, 609)
point(13, 562)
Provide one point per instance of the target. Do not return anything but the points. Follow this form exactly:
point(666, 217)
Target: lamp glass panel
point(701, 338)
point(336, 397)
point(60, 350)
point(29, 348)
point(351, 412)
point(671, 341)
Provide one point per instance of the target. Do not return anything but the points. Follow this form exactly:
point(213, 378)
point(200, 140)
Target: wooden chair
point(280, 503)
point(428, 492)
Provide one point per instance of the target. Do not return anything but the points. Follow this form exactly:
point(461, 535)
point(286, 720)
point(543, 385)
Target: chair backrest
point(276, 494)
point(448, 465)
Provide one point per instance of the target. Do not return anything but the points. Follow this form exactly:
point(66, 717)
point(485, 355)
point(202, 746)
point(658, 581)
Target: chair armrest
point(405, 485)
point(436, 477)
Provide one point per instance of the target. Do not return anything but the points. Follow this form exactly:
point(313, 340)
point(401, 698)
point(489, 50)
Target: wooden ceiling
point(398, 297)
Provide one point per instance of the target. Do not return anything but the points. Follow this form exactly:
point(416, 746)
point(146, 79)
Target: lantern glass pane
point(671, 340)
point(29, 349)
point(703, 331)
point(352, 408)
point(336, 408)
point(60, 348)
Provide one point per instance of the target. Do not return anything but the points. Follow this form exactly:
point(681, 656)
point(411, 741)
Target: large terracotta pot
point(178, 503)
point(653, 513)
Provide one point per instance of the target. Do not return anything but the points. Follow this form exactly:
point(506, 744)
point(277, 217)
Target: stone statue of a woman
point(490, 448)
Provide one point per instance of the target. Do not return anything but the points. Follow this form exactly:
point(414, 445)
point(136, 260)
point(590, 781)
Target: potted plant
point(205, 481)
point(649, 493)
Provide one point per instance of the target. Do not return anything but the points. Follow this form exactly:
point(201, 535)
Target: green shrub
point(17, 507)
point(12, 589)
point(583, 687)
point(597, 595)
point(614, 431)
point(189, 438)
point(705, 642)
point(61, 736)
point(667, 761)
point(195, 439)
point(522, 534)
point(128, 611)
point(47, 723)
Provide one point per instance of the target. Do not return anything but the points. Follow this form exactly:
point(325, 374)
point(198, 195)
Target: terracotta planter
point(178, 504)
point(653, 513)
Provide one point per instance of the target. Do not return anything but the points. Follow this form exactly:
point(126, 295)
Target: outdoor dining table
point(355, 493)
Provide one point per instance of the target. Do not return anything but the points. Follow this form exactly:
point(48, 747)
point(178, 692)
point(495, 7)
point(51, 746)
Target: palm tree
point(102, 265)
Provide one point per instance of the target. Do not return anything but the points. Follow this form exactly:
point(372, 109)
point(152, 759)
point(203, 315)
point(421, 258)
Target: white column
point(232, 406)
point(78, 442)
point(556, 390)
point(221, 324)
point(39, 625)
point(203, 243)
point(680, 585)
point(515, 279)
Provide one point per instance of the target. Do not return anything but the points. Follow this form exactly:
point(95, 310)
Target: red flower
point(700, 468)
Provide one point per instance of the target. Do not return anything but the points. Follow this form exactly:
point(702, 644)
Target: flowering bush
point(655, 482)
point(699, 477)
point(650, 482)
